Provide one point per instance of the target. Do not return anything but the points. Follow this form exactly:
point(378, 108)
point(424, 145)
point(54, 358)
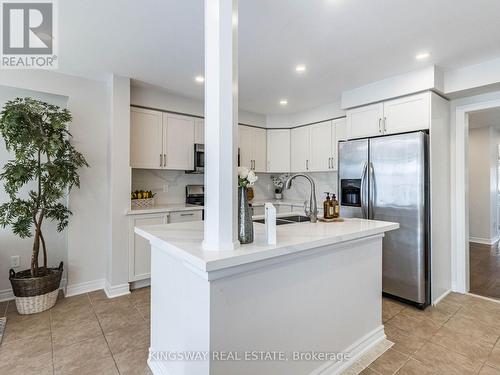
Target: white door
point(320, 146)
point(278, 150)
point(199, 131)
point(299, 149)
point(259, 149)
point(145, 138)
point(365, 121)
point(339, 133)
point(178, 142)
point(139, 247)
point(407, 114)
point(245, 146)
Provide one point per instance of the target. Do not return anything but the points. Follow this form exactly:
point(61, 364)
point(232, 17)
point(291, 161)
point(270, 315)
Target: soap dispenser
point(336, 207)
point(326, 207)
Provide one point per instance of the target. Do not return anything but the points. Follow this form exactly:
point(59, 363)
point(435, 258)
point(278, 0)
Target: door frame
point(460, 196)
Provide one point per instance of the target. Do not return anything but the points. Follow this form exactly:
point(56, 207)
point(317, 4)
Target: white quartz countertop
point(184, 240)
point(165, 208)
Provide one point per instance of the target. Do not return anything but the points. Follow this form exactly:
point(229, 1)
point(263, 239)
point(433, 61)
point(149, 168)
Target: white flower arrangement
point(246, 177)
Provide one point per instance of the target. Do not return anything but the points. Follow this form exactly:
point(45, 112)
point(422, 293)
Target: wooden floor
point(485, 270)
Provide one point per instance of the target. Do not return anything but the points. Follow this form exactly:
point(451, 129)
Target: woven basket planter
point(36, 294)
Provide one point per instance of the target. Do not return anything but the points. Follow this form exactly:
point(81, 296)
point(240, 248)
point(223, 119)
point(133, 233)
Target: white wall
point(11, 244)
point(146, 95)
point(88, 231)
point(483, 195)
point(321, 113)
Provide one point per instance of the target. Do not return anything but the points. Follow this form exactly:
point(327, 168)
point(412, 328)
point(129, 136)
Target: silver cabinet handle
point(161, 161)
point(385, 124)
point(191, 214)
point(307, 165)
point(164, 160)
point(329, 163)
point(379, 125)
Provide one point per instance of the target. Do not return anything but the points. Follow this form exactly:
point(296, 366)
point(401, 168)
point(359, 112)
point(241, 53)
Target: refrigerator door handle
point(364, 191)
point(371, 199)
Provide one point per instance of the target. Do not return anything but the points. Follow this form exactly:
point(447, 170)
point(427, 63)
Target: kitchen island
point(310, 304)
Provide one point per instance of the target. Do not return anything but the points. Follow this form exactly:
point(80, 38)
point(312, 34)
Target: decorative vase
point(245, 223)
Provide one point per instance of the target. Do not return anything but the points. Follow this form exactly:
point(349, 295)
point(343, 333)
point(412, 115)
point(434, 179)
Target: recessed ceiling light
point(199, 79)
point(300, 68)
point(283, 102)
point(422, 55)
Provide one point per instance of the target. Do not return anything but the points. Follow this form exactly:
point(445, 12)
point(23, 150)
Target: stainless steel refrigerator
point(387, 178)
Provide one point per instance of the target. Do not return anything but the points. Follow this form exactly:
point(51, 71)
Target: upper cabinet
point(409, 113)
point(161, 140)
point(314, 147)
point(146, 149)
point(199, 131)
point(252, 148)
point(178, 145)
point(278, 150)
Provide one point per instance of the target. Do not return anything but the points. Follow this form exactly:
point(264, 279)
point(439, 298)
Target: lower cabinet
point(140, 249)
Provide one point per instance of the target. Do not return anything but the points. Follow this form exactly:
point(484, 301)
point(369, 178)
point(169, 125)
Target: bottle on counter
point(335, 207)
point(326, 207)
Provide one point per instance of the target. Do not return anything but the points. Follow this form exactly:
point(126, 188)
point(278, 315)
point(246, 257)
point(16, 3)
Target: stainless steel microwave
point(199, 159)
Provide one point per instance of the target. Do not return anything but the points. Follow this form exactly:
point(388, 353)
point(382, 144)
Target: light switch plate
point(15, 261)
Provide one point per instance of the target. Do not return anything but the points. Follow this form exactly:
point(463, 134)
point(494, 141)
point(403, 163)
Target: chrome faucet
point(312, 212)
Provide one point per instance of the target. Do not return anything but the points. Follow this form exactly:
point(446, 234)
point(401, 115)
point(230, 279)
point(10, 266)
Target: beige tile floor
point(90, 334)
point(86, 334)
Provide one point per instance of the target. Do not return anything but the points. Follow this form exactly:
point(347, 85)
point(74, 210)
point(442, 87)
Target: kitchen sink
point(287, 220)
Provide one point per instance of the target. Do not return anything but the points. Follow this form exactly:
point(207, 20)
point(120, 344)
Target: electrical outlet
point(165, 188)
point(15, 261)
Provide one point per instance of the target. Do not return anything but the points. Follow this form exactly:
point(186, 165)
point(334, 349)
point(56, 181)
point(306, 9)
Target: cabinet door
point(407, 114)
point(178, 142)
point(199, 131)
point(245, 143)
point(140, 248)
point(339, 133)
point(299, 149)
point(184, 216)
point(278, 150)
point(320, 146)
point(145, 138)
point(365, 121)
point(259, 149)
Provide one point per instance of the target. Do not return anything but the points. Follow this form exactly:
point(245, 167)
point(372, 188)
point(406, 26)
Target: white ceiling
point(487, 117)
point(344, 43)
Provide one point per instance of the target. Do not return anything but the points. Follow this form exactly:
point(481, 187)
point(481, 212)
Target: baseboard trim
point(484, 241)
point(85, 287)
point(483, 297)
point(8, 294)
point(356, 351)
point(113, 291)
point(441, 297)
point(140, 284)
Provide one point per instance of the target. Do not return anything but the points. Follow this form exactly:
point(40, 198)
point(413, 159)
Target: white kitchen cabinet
point(299, 149)
point(320, 150)
point(178, 142)
point(184, 216)
point(407, 114)
point(365, 121)
point(339, 133)
point(401, 115)
point(252, 148)
point(284, 208)
point(199, 131)
point(140, 248)
point(278, 150)
point(161, 140)
point(146, 139)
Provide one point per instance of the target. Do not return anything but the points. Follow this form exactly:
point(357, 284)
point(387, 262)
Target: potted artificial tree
point(37, 181)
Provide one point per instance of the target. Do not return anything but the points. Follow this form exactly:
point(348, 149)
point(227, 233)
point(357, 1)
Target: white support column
point(221, 124)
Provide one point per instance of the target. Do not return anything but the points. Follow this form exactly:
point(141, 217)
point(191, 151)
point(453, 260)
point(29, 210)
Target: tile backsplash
point(169, 186)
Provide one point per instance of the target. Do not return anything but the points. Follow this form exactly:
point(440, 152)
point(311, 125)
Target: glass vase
point(245, 223)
